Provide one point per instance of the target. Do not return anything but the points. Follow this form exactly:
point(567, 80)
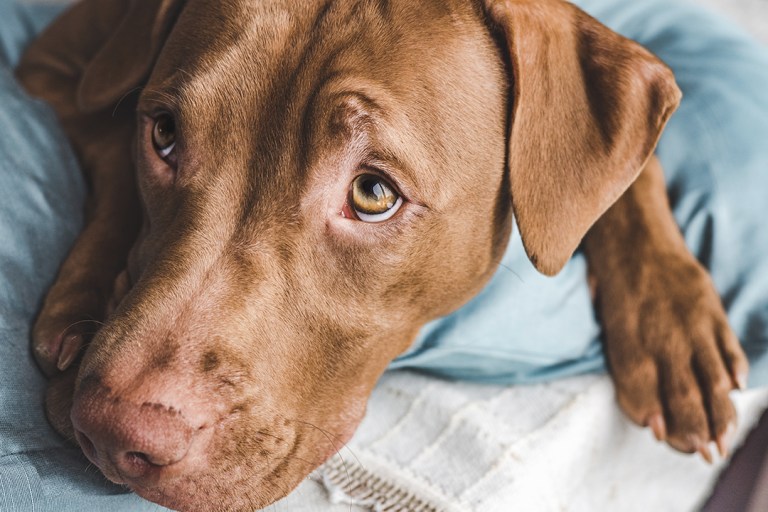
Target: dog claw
point(725, 439)
point(658, 427)
point(705, 452)
point(69, 350)
point(741, 381)
point(722, 448)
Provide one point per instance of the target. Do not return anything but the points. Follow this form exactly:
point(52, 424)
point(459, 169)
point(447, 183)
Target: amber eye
point(164, 135)
point(374, 199)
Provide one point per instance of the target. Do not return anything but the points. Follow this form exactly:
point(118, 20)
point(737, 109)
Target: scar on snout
point(210, 361)
point(237, 408)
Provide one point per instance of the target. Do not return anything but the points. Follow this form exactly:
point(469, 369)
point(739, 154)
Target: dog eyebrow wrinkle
point(166, 96)
point(358, 110)
point(353, 111)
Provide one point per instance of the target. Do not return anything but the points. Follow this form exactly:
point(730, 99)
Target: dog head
point(320, 179)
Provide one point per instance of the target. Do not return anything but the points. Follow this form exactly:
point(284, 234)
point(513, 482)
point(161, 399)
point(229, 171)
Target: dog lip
point(136, 472)
point(89, 449)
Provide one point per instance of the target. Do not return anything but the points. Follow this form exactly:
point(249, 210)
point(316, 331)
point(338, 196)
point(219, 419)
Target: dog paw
point(69, 318)
point(673, 357)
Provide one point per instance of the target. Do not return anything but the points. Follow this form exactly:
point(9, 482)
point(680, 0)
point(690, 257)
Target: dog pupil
point(373, 196)
point(165, 131)
point(374, 189)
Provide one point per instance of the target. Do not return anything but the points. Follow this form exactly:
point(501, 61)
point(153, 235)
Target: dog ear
point(587, 109)
point(125, 60)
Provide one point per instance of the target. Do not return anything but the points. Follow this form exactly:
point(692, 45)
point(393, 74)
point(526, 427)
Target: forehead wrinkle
point(356, 117)
point(372, 43)
point(286, 51)
point(277, 41)
point(234, 88)
point(268, 32)
point(368, 109)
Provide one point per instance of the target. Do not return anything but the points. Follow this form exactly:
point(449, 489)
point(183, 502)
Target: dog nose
point(129, 441)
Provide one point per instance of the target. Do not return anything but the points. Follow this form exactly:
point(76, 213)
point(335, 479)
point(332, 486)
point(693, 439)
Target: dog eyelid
point(163, 134)
point(395, 171)
point(380, 217)
point(164, 153)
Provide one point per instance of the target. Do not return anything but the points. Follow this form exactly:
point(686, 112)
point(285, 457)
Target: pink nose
point(128, 441)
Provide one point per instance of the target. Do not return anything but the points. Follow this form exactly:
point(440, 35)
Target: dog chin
point(241, 486)
point(192, 496)
point(191, 503)
point(253, 492)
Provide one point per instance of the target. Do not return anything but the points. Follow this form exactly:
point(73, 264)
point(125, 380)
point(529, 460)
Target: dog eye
point(374, 199)
point(164, 135)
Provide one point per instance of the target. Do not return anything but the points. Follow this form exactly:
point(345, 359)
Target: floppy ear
point(127, 57)
point(588, 108)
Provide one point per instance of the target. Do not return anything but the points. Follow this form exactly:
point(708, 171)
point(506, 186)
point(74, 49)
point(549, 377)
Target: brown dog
point(318, 179)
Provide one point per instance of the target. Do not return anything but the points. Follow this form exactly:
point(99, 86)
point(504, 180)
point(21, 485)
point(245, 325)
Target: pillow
point(525, 327)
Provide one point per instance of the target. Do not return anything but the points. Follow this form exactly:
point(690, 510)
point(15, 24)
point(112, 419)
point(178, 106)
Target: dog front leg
point(669, 348)
point(75, 305)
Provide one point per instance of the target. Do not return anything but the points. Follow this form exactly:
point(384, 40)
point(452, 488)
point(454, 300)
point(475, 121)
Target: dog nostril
point(139, 458)
point(133, 464)
point(129, 439)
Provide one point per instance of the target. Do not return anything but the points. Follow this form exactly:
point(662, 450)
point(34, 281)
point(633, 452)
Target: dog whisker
point(163, 97)
point(283, 489)
point(331, 438)
point(506, 267)
point(294, 457)
point(85, 321)
point(273, 436)
point(335, 437)
point(123, 97)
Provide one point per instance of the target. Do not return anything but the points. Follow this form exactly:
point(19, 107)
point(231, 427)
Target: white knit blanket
point(432, 445)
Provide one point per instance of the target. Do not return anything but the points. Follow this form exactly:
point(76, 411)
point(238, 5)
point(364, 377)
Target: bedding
point(453, 446)
point(522, 328)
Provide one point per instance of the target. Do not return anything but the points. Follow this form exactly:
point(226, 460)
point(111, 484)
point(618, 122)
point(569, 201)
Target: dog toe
point(638, 395)
point(62, 329)
point(733, 355)
point(685, 412)
point(716, 384)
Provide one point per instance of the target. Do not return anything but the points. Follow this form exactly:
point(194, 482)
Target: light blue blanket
point(521, 328)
